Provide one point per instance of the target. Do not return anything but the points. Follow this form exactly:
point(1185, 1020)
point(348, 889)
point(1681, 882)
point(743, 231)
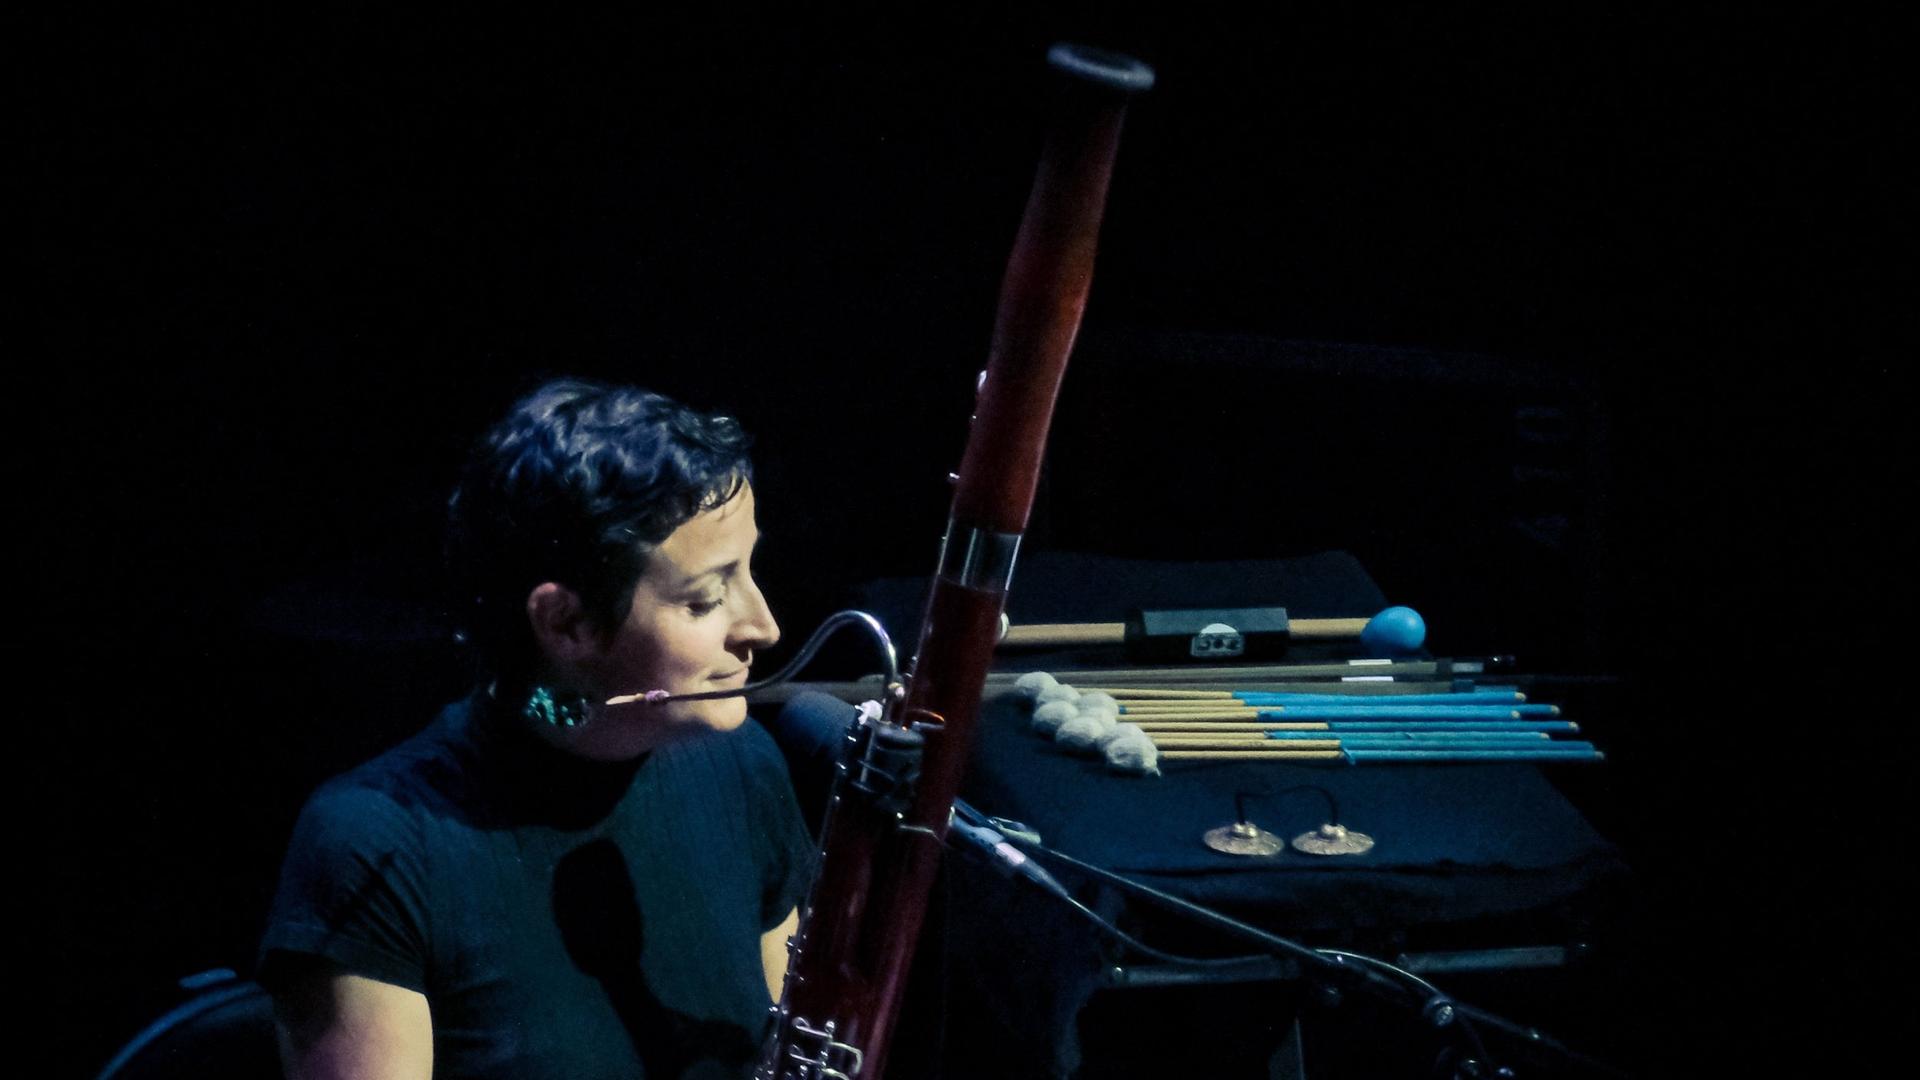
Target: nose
point(755, 628)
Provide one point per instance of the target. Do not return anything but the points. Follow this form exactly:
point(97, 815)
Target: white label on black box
point(1215, 641)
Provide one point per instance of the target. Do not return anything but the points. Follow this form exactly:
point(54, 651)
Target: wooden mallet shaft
point(1066, 635)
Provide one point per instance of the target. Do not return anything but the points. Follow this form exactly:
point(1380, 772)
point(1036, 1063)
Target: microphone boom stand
point(1343, 972)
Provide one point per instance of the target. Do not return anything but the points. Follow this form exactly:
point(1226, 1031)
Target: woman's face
point(697, 617)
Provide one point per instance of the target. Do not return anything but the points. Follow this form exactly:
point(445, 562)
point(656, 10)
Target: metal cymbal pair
point(1246, 838)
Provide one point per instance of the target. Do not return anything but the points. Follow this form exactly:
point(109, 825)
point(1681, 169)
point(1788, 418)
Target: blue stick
point(1469, 697)
point(1544, 753)
point(1391, 736)
point(1408, 712)
point(1567, 747)
point(1564, 726)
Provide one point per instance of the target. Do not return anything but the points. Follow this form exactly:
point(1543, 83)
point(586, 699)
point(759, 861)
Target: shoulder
point(357, 888)
point(346, 815)
point(355, 827)
point(381, 804)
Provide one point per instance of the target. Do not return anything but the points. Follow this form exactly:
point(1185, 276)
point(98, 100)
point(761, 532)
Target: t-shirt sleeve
point(352, 892)
point(785, 851)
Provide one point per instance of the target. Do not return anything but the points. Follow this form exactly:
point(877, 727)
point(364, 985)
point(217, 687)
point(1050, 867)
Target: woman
point(538, 884)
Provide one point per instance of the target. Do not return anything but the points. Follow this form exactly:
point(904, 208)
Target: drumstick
point(1243, 675)
point(1238, 698)
point(1237, 744)
point(1257, 746)
point(1566, 727)
point(1395, 631)
point(1347, 712)
point(1369, 756)
point(1264, 755)
point(1216, 742)
point(1323, 687)
point(1062, 635)
point(1451, 738)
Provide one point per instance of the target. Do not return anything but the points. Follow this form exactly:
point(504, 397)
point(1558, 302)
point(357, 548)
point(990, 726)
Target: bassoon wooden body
point(887, 822)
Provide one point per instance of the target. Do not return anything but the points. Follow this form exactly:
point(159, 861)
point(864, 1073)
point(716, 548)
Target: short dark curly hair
point(577, 485)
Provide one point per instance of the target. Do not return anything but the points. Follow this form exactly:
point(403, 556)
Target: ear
point(560, 625)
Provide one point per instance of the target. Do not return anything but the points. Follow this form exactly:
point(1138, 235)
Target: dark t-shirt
point(564, 918)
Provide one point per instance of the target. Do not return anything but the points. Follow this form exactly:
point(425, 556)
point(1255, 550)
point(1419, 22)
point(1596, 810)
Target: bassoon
point(887, 821)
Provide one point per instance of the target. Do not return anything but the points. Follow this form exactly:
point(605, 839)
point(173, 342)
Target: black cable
point(1041, 879)
point(1456, 1012)
point(1145, 949)
point(1130, 885)
point(1436, 1007)
point(1437, 998)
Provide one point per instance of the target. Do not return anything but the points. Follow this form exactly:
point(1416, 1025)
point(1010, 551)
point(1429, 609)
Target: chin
point(724, 715)
point(624, 738)
point(694, 717)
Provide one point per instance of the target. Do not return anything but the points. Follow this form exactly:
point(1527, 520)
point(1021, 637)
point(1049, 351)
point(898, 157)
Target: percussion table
point(1490, 865)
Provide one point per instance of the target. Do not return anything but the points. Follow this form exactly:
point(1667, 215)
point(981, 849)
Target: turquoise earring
point(566, 711)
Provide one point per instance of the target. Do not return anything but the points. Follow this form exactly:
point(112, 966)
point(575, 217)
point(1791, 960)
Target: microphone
point(811, 730)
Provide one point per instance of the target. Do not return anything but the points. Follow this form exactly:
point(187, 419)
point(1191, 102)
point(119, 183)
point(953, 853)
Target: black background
point(282, 268)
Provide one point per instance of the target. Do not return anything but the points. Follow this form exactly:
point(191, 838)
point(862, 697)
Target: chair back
point(224, 1030)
